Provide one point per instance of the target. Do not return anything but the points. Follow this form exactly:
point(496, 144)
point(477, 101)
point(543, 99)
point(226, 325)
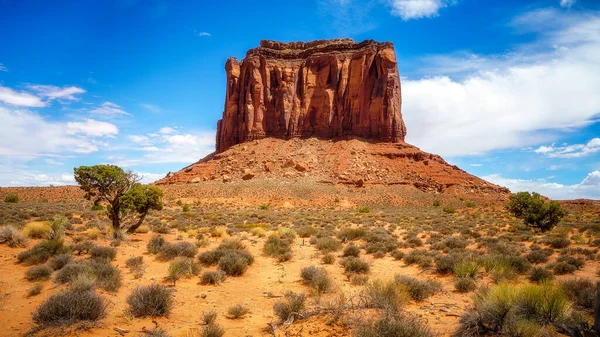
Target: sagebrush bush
point(100, 252)
point(316, 278)
point(70, 306)
point(234, 263)
point(392, 325)
point(354, 265)
point(278, 248)
point(12, 237)
point(152, 300)
point(328, 244)
point(351, 250)
point(397, 254)
point(59, 261)
point(155, 244)
point(169, 251)
point(212, 277)
point(540, 274)
point(389, 296)
point(465, 284)
point(100, 272)
point(41, 252)
point(293, 305)
point(212, 330)
point(537, 256)
point(38, 273)
point(418, 290)
point(581, 291)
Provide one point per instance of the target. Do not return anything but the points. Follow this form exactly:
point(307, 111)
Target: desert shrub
point(563, 268)
point(352, 233)
point(466, 268)
point(504, 307)
point(81, 247)
point(212, 330)
point(581, 291)
point(234, 262)
point(108, 277)
point(420, 257)
point(170, 251)
point(155, 332)
point(100, 252)
point(417, 289)
point(397, 254)
point(328, 244)
point(354, 265)
point(68, 307)
point(59, 261)
point(182, 267)
point(328, 258)
point(392, 325)
point(465, 284)
point(380, 240)
point(390, 296)
point(359, 280)
point(11, 198)
point(11, 236)
point(449, 210)
point(212, 277)
point(540, 274)
point(557, 242)
point(99, 272)
point(436, 203)
point(38, 273)
point(455, 242)
point(238, 311)
point(351, 250)
point(534, 211)
point(35, 289)
point(41, 252)
point(574, 261)
point(444, 264)
point(364, 209)
point(36, 229)
point(278, 248)
point(306, 231)
point(136, 266)
point(152, 300)
point(292, 305)
point(155, 244)
point(209, 317)
point(257, 231)
point(316, 278)
point(537, 256)
point(57, 227)
point(71, 270)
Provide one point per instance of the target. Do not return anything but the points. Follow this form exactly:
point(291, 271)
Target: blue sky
point(507, 90)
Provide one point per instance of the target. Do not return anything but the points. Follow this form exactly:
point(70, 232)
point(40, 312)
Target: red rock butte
point(326, 89)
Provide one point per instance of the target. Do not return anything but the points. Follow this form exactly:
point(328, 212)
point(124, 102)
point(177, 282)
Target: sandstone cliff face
point(326, 88)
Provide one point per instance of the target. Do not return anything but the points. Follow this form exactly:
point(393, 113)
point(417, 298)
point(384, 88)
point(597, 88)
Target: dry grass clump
point(69, 307)
point(316, 278)
point(12, 237)
point(238, 311)
point(293, 305)
point(36, 229)
point(41, 252)
point(38, 273)
point(390, 296)
point(516, 309)
point(152, 300)
point(136, 266)
point(328, 258)
point(35, 290)
point(182, 267)
point(392, 325)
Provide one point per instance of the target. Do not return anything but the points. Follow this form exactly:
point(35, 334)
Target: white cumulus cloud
point(570, 151)
point(417, 9)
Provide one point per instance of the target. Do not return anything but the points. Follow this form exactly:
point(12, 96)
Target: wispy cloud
point(418, 9)
point(93, 128)
point(570, 151)
point(514, 100)
point(567, 3)
point(151, 107)
point(22, 98)
point(204, 34)
point(40, 95)
point(110, 109)
point(588, 188)
point(53, 92)
point(2, 67)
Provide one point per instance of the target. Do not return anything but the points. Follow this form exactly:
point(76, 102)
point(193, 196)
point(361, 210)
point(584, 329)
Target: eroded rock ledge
point(325, 88)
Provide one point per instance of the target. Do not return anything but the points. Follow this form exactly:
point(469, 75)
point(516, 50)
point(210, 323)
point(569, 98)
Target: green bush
point(11, 198)
point(534, 211)
point(153, 300)
point(70, 306)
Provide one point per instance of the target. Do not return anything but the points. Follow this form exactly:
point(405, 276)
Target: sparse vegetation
point(70, 306)
point(292, 306)
point(152, 300)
